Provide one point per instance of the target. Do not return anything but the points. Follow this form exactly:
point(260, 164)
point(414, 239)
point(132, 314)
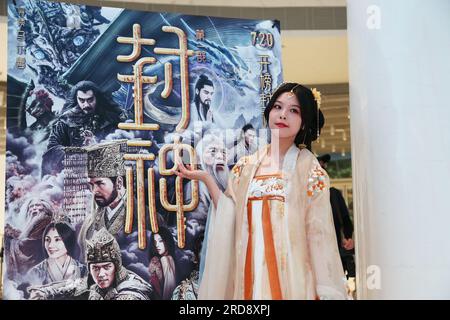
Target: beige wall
point(251, 3)
point(315, 57)
point(3, 48)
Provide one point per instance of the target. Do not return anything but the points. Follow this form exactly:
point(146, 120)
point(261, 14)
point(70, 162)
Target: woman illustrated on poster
point(59, 243)
point(162, 265)
point(271, 233)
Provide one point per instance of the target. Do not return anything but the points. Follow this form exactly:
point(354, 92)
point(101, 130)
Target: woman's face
point(284, 117)
point(160, 245)
point(54, 244)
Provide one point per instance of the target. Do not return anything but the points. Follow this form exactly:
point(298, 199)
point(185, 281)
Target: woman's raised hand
point(188, 173)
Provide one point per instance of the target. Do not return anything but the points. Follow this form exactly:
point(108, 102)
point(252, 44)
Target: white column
point(399, 61)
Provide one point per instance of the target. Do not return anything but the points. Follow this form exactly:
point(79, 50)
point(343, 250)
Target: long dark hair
point(202, 81)
point(312, 118)
point(67, 234)
point(169, 242)
point(105, 106)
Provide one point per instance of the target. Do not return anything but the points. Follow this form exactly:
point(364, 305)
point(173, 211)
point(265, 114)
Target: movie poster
point(101, 104)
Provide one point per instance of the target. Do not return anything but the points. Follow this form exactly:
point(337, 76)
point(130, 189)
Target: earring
point(303, 145)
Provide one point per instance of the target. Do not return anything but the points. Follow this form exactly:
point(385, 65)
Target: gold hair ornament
point(291, 93)
point(318, 97)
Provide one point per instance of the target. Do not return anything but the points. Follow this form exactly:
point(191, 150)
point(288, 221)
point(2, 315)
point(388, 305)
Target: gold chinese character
point(184, 53)
point(137, 43)
point(140, 190)
point(138, 80)
point(264, 62)
point(264, 98)
point(168, 80)
point(266, 82)
point(179, 207)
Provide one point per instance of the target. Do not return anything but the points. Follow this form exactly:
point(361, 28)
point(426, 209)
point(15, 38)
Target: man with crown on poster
point(106, 170)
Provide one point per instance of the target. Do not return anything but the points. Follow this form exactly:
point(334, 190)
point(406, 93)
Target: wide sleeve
point(67, 289)
point(217, 280)
point(321, 236)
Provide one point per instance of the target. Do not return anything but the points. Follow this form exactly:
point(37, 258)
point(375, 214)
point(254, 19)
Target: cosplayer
point(271, 233)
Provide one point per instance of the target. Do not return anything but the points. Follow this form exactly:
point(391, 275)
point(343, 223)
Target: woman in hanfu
point(59, 244)
point(271, 233)
point(162, 267)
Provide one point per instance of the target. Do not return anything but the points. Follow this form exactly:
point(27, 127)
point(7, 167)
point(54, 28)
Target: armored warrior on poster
point(88, 116)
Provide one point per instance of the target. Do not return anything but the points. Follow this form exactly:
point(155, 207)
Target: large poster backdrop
point(101, 102)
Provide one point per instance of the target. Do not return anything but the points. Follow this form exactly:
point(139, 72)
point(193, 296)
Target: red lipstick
point(281, 125)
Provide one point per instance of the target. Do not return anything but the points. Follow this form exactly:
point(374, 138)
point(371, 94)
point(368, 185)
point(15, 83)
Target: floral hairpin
point(317, 96)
